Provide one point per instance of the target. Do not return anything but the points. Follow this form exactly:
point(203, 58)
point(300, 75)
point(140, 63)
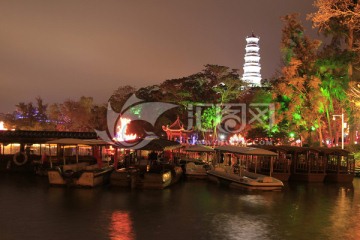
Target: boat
point(340, 164)
point(195, 162)
point(194, 168)
point(306, 164)
point(231, 169)
point(80, 174)
point(280, 166)
point(153, 166)
point(28, 151)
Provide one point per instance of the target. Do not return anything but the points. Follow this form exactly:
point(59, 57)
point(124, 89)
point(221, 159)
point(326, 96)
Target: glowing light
point(2, 127)
point(237, 139)
point(166, 176)
point(121, 134)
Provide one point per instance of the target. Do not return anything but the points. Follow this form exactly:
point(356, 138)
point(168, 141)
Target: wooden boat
point(231, 169)
point(80, 174)
point(149, 173)
point(281, 163)
point(28, 152)
point(340, 164)
point(305, 163)
point(194, 168)
point(154, 177)
point(193, 163)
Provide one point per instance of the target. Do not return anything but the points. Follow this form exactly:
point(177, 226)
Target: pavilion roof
point(176, 126)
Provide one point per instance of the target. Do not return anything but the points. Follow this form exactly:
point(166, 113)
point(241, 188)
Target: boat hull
point(193, 171)
point(339, 178)
point(307, 177)
point(247, 180)
point(140, 178)
point(86, 178)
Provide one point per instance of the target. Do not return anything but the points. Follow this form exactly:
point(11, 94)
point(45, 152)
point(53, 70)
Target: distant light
point(2, 126)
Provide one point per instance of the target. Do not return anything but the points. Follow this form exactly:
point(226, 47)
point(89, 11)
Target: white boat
point(232, 171)
point(243, 179)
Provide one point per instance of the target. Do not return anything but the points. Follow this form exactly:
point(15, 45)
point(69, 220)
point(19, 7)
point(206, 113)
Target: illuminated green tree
point(340, 19)
point(332, 70)
point(297, 92)
point(210, 120)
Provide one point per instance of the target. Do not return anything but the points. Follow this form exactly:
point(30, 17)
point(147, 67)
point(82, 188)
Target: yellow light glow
point(121, 134)
point(237, 139)
point(2, 127)
point(166, 176)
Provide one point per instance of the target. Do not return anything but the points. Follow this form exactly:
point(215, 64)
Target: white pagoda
point(252, 62)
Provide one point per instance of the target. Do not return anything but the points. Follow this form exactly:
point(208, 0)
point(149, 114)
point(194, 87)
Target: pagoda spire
point(252, 61)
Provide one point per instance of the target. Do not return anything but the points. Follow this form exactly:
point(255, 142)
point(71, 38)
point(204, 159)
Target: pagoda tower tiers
point(176, 131)
point(252, 62)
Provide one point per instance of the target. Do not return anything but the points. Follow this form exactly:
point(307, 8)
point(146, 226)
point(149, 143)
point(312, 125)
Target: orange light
point(121, 134)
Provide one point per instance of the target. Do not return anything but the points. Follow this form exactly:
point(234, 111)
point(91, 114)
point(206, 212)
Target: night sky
point(61, 50)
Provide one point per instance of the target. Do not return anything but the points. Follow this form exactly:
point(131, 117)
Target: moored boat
point(280, 166)
point(195, 169)
point(231, 169)
point(243, 179)
point(340, 164)
point(150, 167)
point(305, 163)
point(195, 161)
point(80, 174)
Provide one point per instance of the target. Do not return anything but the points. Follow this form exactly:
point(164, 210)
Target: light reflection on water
point(30, 209)
point(231, 227)
point(121, 226)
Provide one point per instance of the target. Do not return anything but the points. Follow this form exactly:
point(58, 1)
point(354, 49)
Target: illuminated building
point(252, 62)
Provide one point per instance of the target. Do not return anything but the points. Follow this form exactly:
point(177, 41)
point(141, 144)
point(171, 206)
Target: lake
point(31, 209)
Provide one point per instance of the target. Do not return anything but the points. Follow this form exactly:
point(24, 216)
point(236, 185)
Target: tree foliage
point(297, 92)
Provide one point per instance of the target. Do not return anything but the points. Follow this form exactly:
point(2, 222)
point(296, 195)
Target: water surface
point(30, 209)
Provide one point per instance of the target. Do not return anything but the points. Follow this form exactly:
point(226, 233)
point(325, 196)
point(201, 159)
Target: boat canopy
point(245, 150)
point(198, 148)
point(159, 144)
point(76, 141)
